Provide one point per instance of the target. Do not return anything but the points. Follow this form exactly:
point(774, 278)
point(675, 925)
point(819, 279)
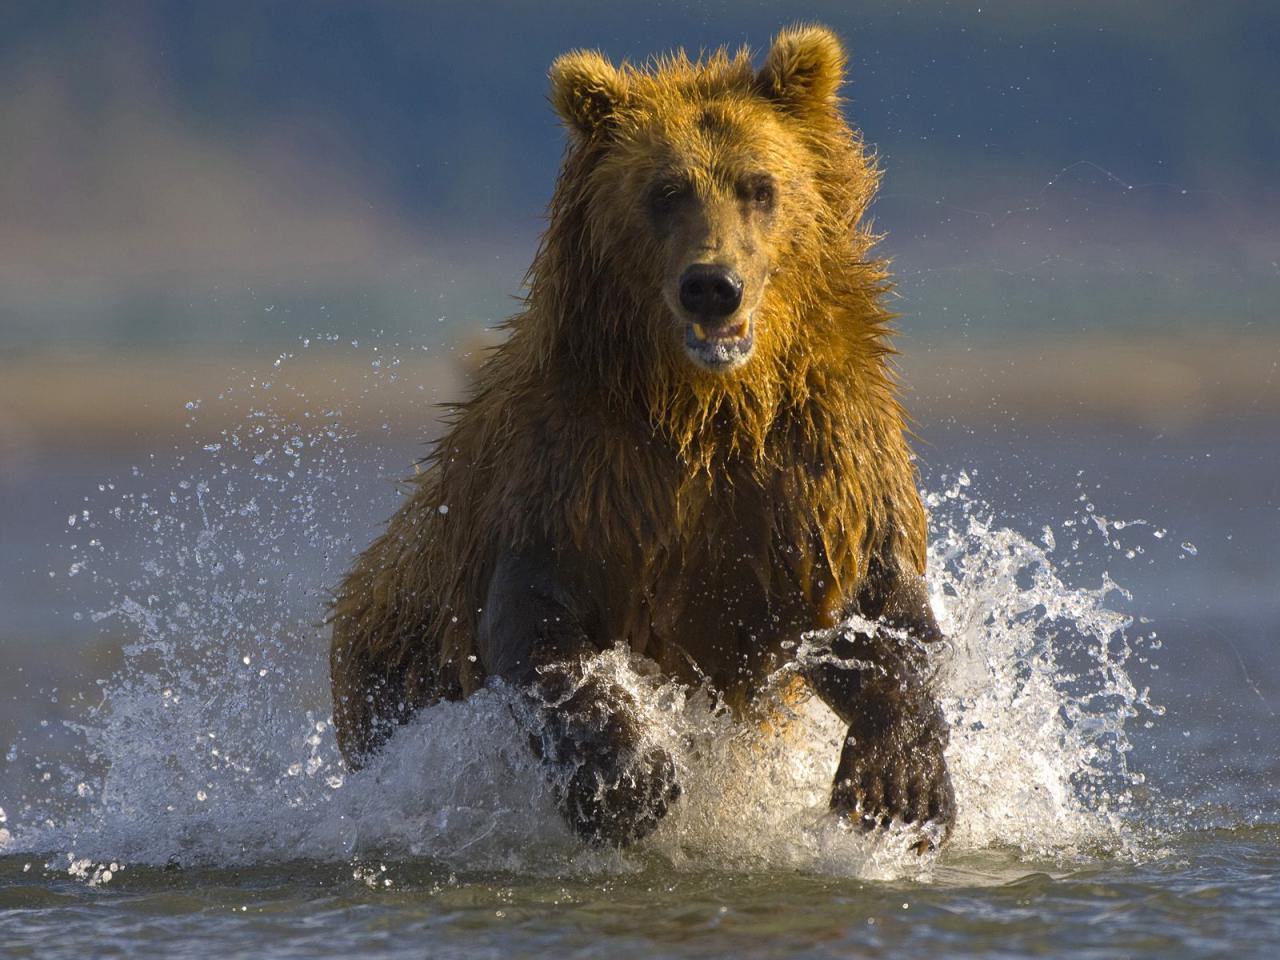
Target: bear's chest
point(732, 591)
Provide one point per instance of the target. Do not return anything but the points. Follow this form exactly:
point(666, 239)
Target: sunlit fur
point(591, 429)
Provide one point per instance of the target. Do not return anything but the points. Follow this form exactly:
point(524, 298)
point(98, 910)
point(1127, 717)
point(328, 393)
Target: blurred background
point(1080, 200)
point(205, 180)
point(201, 181)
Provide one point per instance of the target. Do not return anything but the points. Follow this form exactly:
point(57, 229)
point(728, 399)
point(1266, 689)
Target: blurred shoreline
point(54, 400)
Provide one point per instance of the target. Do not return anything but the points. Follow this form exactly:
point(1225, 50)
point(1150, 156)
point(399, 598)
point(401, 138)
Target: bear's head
point(714, 206)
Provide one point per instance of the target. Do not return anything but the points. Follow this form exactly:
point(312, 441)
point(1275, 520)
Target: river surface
point(170, 784)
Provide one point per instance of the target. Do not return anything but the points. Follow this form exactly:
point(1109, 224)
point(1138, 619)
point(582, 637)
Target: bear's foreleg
point(892, 764)
point(536, 632)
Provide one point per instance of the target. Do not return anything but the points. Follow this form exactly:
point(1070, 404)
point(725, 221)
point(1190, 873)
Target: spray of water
point(213, 745)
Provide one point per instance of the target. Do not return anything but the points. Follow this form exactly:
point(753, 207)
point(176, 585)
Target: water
point(1207, 901)
point(170, 781)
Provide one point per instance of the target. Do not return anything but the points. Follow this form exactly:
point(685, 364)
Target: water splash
point(213, 744)
point(1037, 689)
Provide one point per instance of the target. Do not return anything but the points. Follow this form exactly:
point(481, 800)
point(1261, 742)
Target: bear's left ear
point(587, 90)
point(804, 70)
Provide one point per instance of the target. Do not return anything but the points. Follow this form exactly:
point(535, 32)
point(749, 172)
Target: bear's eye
point(668, 192)
point(761, 193)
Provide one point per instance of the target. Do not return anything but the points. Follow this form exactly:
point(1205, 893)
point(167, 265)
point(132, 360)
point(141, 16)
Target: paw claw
point(892, 780)
point(612, 802)
point(611, 790)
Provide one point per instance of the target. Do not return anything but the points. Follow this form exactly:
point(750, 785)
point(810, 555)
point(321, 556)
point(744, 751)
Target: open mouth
point(718, 346)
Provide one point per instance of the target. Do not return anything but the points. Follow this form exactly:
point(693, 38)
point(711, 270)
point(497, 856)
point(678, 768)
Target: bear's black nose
point(709, 290)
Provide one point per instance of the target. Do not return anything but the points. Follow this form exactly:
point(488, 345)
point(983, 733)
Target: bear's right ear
point(587, 90)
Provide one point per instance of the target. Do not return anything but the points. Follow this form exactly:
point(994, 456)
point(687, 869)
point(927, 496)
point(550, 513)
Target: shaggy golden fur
point(723, 513)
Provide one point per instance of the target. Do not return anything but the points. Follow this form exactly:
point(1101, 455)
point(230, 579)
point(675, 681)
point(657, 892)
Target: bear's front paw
point(895, 776)
point(615, 801)
point(612, 788)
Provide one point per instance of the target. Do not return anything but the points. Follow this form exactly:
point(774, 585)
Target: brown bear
point(690, 444)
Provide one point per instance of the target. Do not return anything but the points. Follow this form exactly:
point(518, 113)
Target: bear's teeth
point(736, 332)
